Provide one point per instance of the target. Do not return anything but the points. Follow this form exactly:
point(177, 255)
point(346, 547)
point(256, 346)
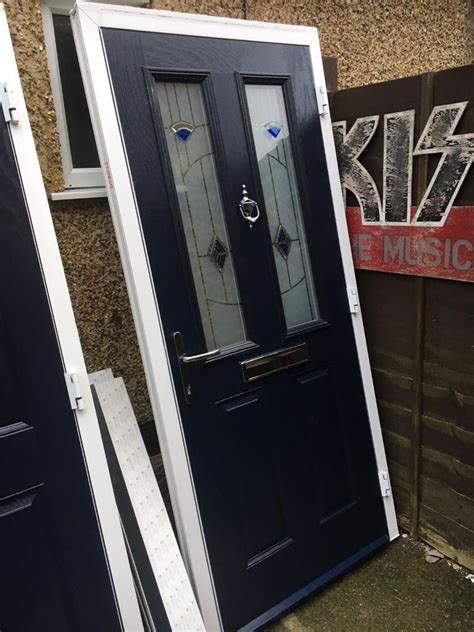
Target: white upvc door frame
point(68, 340)
point(88, 20)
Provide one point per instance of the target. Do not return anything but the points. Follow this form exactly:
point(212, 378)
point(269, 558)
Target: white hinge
point(322, 98)
point(7, 98)
point(384, 481)
point(353, 298)
point(74, 390)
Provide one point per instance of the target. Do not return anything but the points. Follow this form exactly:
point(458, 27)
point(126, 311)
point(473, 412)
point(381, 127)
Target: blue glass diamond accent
point(282, 242)
point(217, 253)
point(182, 130)
point(273, 128)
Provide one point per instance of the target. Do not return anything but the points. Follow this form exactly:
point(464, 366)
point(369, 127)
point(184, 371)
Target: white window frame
point(88, 20)
point(84, 182)
point(74, 178)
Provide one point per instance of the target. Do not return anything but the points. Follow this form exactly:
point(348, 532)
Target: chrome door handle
point(184, 360)
point(200, 356)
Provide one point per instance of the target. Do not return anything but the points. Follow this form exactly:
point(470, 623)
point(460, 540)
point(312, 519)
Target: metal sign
point(388, 234)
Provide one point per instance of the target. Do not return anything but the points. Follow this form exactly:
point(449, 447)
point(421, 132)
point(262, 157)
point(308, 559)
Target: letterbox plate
point(264, 365)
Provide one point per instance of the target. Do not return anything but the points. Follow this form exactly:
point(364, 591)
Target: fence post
point(418, 360)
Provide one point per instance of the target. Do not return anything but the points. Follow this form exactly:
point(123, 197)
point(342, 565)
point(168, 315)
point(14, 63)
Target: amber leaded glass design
point(192, 158)
point(282, 202)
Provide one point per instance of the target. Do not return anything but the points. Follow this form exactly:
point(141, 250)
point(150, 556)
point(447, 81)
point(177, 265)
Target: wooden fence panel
point(447, 474)
point(387, 302)
point(420, 333)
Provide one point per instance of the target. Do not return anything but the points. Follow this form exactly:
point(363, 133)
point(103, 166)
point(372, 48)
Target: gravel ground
point(397, 590)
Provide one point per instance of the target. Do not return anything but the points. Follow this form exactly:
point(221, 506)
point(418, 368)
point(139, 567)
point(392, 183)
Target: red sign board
point(442, 251)
point(387, 160)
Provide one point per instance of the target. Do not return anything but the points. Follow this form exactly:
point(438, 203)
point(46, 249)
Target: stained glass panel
point(282, 202)
point(192, 157)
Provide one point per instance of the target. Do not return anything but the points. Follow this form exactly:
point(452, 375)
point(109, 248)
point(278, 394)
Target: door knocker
point(248, 208)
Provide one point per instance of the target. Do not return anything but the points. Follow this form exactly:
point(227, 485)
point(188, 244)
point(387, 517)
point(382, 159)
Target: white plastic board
point(150, 512)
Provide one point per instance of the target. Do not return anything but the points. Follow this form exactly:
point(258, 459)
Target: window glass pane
point(193, 162)
point(79, 127)
point(282, 202)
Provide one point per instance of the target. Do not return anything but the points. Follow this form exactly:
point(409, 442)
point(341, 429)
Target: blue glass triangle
point(273, 128)
point(183, 134)
point(182, 130)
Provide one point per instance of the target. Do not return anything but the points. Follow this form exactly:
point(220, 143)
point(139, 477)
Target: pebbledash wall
point(373, 41)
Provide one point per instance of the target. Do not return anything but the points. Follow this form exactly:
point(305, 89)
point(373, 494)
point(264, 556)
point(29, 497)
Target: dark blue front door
point(53, 570)
point(276, 424)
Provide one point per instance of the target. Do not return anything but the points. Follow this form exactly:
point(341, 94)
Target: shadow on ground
point(397, 590)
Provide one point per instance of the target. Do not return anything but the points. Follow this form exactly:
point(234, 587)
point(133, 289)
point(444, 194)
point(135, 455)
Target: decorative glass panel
point(193, 162)
point(282, 202)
